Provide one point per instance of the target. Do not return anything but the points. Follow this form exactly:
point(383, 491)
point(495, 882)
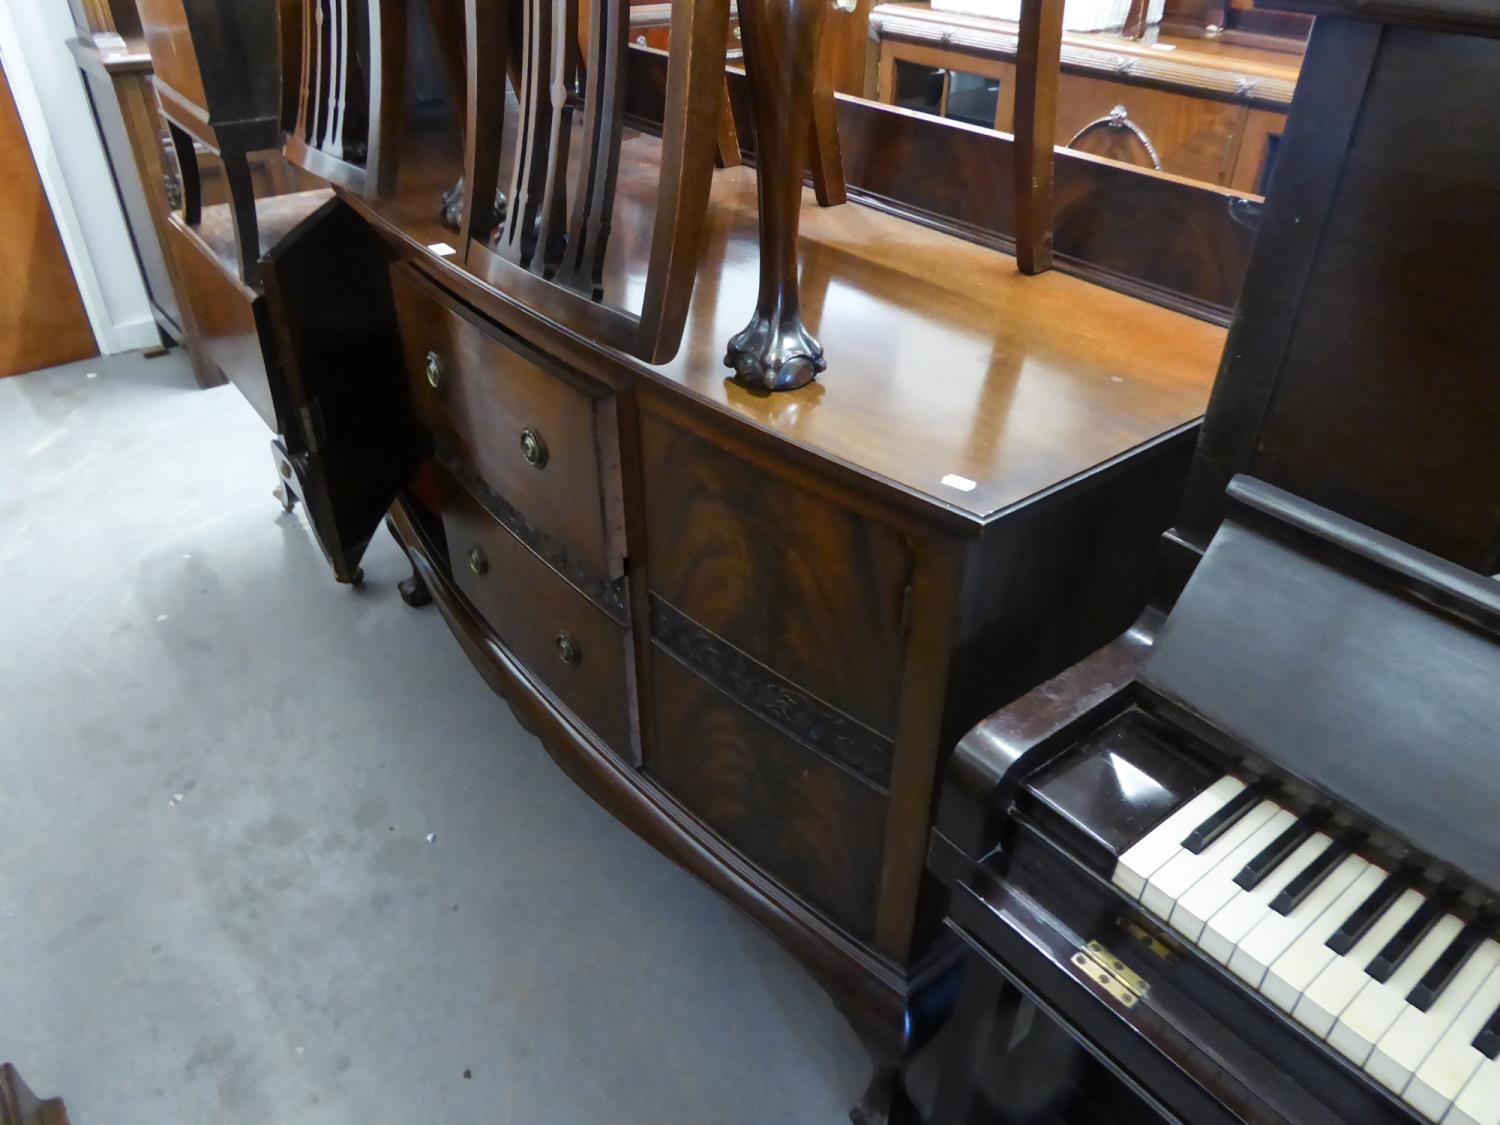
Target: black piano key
point(1386, 962)
point(1274, 854)
point(1365, 915)
point(1487, 1042)
point(1443, 970)
point(1309, 877)
point(1225, 819)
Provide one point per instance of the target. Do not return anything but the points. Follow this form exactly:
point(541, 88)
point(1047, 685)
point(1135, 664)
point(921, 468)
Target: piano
point(1252, 859)
point(1242, 863)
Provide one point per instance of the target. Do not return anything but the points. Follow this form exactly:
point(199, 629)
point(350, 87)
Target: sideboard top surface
point(946, 365)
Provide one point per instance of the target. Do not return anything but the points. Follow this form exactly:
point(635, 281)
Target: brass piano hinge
point(1152, 940)
point(1105, 969)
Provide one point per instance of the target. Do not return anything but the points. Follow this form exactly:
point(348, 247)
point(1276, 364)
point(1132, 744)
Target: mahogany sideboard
point(752, 626)
point(749, 625)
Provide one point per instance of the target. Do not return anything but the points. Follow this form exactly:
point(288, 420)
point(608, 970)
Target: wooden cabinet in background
point(116, 71)
point(1202, 110)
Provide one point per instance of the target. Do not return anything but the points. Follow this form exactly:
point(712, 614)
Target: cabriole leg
point(775, 352)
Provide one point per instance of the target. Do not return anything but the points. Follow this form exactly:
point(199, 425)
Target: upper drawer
point(546, 443)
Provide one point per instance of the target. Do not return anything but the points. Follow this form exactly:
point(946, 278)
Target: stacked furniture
point(748, 583)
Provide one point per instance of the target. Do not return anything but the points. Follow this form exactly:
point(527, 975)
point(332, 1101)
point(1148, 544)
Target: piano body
point(1242, 864)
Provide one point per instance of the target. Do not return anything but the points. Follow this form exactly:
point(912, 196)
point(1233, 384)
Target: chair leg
point(242, 203)
point(728, 155)
point(187, 168)
point(824, 154)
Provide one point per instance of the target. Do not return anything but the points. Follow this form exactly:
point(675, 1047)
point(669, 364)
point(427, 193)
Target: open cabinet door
point(347, 443)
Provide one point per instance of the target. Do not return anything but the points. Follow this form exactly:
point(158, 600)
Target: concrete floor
point(218, 775)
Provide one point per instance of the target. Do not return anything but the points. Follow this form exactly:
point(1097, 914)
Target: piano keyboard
point(1391, 979)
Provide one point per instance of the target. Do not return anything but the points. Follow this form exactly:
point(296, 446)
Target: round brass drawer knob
point(477, 562)
point(533, 448)
point(567, 649)
point(434, 371)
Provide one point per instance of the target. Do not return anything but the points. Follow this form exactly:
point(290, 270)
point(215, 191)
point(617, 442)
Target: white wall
point(69, 155)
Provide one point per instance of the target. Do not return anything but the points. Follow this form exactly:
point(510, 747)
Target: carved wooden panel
point(842, 740)
point(810, 589)
point(824, 839)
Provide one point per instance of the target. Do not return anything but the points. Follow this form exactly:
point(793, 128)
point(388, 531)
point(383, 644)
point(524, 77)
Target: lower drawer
point(562, 638)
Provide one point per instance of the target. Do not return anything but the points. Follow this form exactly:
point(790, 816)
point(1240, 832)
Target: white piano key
point(1226, 929)
point(1209, 894)
point(1293, 973)
point(1177, 876)
point(1335, 988)
point(1147, 855)
point(1370, 1014)
point(1411, 1038)
point(1479, 1104)
point(1274, 934)
point(1452, 1062)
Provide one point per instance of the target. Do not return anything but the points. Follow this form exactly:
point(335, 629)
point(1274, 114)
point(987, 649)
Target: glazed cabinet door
point(347, 442)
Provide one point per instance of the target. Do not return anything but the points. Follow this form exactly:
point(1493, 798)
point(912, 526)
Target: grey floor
point(218, 776)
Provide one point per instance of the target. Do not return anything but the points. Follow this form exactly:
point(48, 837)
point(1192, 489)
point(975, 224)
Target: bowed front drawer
point(563, 639)
point(542, 440)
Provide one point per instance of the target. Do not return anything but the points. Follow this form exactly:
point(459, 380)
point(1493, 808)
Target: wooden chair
point(232, 106)
point(350, 95)
point(550, 250)
point(546, 248)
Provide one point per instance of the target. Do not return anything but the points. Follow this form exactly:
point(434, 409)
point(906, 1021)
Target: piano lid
point(1362, 666)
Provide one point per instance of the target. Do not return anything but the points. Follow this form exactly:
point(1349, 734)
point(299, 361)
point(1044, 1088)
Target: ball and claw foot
point(451, 210)
point(768, 356)
point(885, 1101)
point(414, 591)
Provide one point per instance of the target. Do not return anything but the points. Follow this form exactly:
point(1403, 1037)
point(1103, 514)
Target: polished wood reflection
point(947, 363)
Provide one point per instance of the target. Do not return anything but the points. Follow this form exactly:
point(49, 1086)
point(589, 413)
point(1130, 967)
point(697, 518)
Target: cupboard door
point(348, 443)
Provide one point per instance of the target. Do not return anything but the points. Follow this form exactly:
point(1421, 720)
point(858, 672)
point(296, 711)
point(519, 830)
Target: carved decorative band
point(608, 596)
point(846, 742)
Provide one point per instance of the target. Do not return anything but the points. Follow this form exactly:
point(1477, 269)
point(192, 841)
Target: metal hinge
point(1109, 972)
point(1158, 944)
